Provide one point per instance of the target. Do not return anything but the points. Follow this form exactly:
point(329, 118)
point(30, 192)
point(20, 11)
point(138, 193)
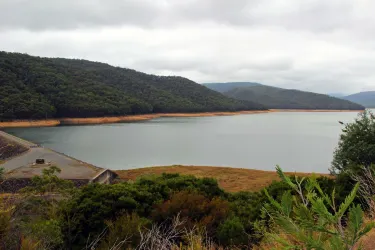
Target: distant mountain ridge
point(34, 87)
point(279, 98)
point(338, 95)
point(366, 98)
point(224, 87)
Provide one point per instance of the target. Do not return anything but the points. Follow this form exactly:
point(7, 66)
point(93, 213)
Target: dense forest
point(34, 87)
point(366, 99)
point(278, 98)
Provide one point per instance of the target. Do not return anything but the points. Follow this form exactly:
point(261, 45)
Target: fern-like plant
point(312, 220)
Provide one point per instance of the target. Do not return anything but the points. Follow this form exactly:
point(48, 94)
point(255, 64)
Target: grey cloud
point(316, 45)
point(207, 67)
point(73, 14)
point(310, 15)
point(221, 11)
point(167, 64)
point(276, 64)
point(318, 15)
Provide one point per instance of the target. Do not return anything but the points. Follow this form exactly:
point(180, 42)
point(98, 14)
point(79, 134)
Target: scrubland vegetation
point(172, 211)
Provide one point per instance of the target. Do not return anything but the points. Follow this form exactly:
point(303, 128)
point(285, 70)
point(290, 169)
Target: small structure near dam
point(22, 160)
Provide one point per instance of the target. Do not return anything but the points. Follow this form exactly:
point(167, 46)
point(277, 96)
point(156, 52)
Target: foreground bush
point(196, 210)
point(156, 212)
point(93, 205)
point(312, 219)
point(357, 144)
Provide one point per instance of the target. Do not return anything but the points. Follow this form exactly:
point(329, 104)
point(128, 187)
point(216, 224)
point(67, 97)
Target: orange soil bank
point(132, 118)
point(114, 119)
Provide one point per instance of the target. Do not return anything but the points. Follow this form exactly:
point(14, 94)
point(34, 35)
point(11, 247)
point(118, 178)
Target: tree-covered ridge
point(34, 87)
point(278, 98)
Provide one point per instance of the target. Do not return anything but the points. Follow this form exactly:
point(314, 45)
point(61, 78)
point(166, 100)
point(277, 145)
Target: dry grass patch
point(367, 242)
point(31, 123)
point(230, 179)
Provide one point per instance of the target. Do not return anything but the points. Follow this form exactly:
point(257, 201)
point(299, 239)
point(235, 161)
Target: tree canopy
point(357, 144)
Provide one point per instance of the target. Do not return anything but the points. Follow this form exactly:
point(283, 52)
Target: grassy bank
point(230, 179)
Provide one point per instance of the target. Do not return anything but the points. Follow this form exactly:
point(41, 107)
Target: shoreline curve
point(142, 117)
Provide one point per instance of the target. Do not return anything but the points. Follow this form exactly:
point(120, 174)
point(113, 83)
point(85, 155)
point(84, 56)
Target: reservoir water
point(297, 141)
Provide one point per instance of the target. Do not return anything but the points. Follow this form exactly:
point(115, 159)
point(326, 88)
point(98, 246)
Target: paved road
point(23, 166)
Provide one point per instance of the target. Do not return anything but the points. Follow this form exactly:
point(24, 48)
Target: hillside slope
point(34, 87)
point(366, 99)
point(278, 98)
point(226, 86)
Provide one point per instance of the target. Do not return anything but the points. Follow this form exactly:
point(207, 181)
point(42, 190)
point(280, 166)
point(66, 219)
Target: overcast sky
point(318, 45)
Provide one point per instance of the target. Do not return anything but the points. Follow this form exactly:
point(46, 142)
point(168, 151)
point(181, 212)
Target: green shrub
point(48, 182)
point(46, 232)
point(357, 145)
point(165, 184)
point(195, 209)
point(88, 210)
point(94, 204)
point(312, 219)
point(232, 233)
point(126, 227)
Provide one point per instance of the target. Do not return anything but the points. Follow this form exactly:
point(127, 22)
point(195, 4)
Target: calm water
point(295, 141)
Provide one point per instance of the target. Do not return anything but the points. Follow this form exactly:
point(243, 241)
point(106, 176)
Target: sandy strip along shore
point(133, 118)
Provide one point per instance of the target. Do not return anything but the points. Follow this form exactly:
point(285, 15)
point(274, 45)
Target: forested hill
point(366, 99)
point(278, 98)
point(34, 87)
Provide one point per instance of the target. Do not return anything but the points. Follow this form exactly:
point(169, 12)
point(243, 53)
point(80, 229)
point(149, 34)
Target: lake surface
point(297, 141)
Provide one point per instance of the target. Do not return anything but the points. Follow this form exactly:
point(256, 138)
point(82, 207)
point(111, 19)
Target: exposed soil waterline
point(144, 117)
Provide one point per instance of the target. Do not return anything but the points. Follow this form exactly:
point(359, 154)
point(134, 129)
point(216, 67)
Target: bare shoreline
point(143, 117)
